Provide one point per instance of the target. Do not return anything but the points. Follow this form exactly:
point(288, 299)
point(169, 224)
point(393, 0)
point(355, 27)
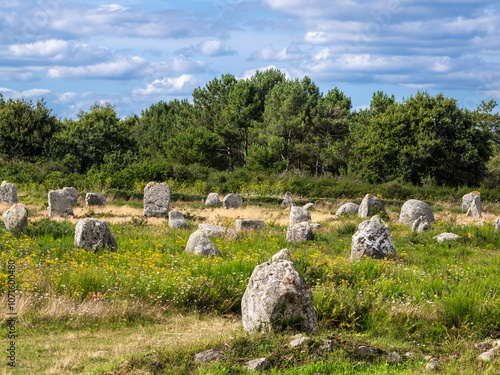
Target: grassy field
point(149, 307)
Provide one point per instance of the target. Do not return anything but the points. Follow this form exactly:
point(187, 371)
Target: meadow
point(149, 307)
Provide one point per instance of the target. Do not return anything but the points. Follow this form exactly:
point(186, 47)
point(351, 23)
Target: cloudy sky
point(134, 53)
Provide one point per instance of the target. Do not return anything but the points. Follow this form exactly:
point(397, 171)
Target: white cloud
point(168, 86)
point(251, 72)
point(215, 48)
point(26, 94)
point(270, 54)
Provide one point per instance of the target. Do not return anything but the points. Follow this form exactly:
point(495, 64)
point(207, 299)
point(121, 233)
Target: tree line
point(271, 124)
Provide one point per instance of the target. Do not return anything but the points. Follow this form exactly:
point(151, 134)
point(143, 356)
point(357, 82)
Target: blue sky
point(132, 53)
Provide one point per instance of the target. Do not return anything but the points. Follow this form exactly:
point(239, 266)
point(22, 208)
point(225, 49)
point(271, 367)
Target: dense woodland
point(266, 125)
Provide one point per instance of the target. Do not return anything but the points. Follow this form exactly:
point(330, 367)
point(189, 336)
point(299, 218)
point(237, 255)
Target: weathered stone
point(60, 203)
point(299, 232)
point(72, 194)
point(475, 207)
point(489, 355)
point(219, 231)
point(315, 226)
point(247, 224)
point(413, 209)
point(212, 199)
point(394, 357)
point(200, 243)
point(326, 346)
point(467, 200)
point(94, 234)
point(95, 199)
point(432, 365)
point(283, 254)
point(300, 340)
point(446, 237)
point(308, 206)
point(298, 215)
point(15, 219)
point(156, 199)
point(259, 364)
point(421, 225)
point(210, 355)
point(232, 201)
point(288, 200)
point(370, 206)
point(497, 224)
point(8, 193)
point(365, 351)
point(483, 346)
point(373, 240)
point(276, 296)
point(176, 220)
point(348, 209)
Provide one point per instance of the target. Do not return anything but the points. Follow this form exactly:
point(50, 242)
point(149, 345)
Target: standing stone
point(497, 224)
point(156, 199)
point(15, 219)
point(283, 254)
point(212, 199)
point(288, 200)
point(467, 200)
point(299, 232)
point(219, 231)
point(94, 234)
point(60, 203)
point(298, 215)
point(200, 243)
point(71, 193)
point(8, 193)
point(276, 297)
point(246, 224)
point(348, 209)
point(370, 206)
point(308, 206)
point(475, 207)
point(232, 201)
point(373, 240)
point(94, 199)
point(176, 220)
point(413, 209)
point(421, 225)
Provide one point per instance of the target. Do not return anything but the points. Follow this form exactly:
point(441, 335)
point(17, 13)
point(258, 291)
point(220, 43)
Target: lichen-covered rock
point(8, 193)
point(467, 200)
point(298, 215)
point(156, 199)
point(283, 254)
point(475, 207)
point(348, 209)
point(259, 364)
point(232, 201)
point(94, 234)
point(276, 297)
point(315, 226)
point(308, 206)
point(71, 193)
point(60, 203)
point(95, 199)
point(413, 209)
point(212, 199)
point(299, 232)
point(288, 200)
point(421, 224)
point(200, 243)
point(219, 231)
point(497, 224)
point(370, 206)
point(176, 220)
point(210, 355)
point(15, 219)
point(247, 224)
point(373, 240)
point(446, 237)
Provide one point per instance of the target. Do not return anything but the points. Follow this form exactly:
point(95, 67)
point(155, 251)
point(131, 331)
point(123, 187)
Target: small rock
point(176, 220)
point(288, 200)
point(325, 347)
point(200, 243)
point(219, 231)
point(298, 215)
point(212, 199)
point(348, 209)
point(315, 226)
point(446, 237)
point(421, 224)
point(232, 201)
point(432, 365)
point(15, 219)
point(308, 206)
point(410, 355)
point(365, 351)
point(259, 364)
point(497, 224)
point(93, 234)
point(489, 355)
point(210, 355)
point(247, 224)
point(299, 340)
point(95, 199)
point(394, 357)
point(483, 346)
